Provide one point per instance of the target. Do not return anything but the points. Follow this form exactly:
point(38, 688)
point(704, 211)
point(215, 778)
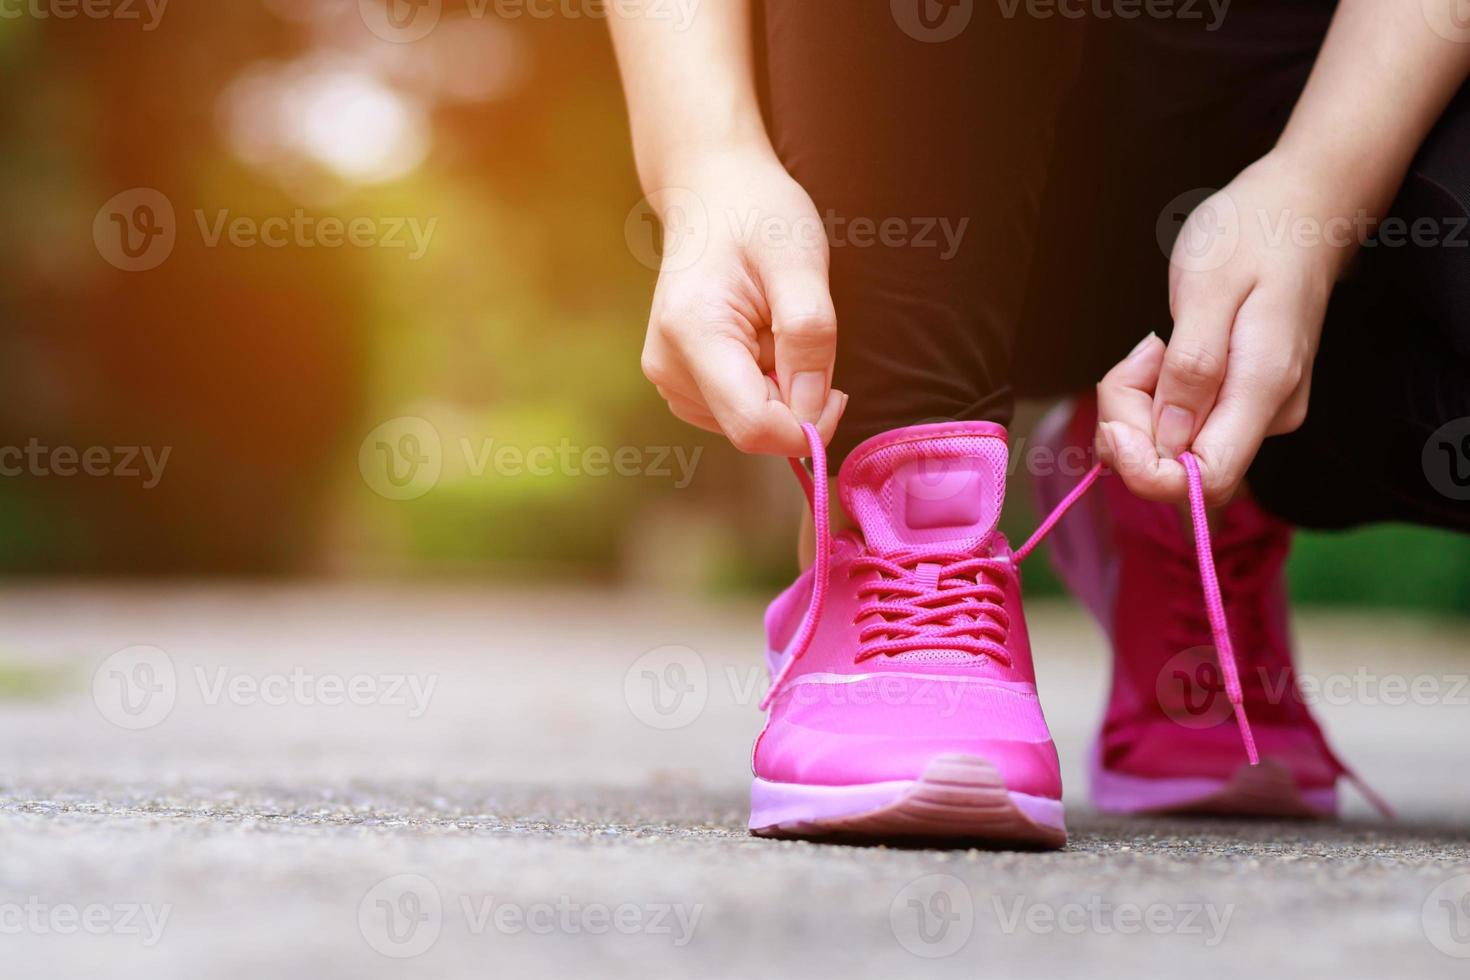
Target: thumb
point(804, 327)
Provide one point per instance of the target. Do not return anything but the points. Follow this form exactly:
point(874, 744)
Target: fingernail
point(808, 394)
point(1142, 346)
point(1176, 428)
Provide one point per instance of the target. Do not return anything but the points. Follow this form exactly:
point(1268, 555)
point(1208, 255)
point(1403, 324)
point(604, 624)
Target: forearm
point(1383, 77)
point(690, 87)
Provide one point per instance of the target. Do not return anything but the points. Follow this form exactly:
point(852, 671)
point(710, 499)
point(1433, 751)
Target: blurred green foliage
point(263, 369)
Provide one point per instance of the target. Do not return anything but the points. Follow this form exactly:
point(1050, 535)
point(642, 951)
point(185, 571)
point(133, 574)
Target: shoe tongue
point(937, 487)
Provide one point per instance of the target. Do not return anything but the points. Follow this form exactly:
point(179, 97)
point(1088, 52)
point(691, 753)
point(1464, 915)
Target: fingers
point(690, 410)
point(732, 385)
point(1292, 414)
point(1125, 399)
point(1194, 364)
point(1267, 387)
point(804, 327)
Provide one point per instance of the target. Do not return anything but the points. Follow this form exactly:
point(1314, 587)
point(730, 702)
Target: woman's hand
point(1253, 267)
point(742, 289)
point(1249, 279)
point(743, 293)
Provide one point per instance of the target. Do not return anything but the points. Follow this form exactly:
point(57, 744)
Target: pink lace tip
point(1247, 736)
point(1214, 603)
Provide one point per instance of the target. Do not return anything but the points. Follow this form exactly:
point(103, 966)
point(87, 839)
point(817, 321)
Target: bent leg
point(924, 153)
point(1387, 435)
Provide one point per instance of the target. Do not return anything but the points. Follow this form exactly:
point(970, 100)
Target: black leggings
point(1001, 203)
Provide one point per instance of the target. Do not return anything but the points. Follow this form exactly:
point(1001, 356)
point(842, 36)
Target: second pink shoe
point(1169, 741)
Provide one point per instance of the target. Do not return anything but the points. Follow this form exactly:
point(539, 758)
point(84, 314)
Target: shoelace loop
point(915, 609)
point(928, 599)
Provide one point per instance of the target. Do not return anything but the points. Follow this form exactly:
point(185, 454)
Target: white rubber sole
point(1266, 790)
point(958, 798)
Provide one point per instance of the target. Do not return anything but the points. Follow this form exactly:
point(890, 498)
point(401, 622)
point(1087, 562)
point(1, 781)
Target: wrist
point(1331, 213)
point(687, 160)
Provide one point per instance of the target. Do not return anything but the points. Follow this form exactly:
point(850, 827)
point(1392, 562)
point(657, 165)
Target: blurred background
point(321, 288)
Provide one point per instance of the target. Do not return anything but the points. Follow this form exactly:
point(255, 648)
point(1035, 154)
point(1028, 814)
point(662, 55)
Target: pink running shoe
point(903, 702)
point(1168, 742)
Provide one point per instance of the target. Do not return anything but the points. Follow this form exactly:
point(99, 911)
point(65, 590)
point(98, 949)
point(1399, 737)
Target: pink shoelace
point(939, 599)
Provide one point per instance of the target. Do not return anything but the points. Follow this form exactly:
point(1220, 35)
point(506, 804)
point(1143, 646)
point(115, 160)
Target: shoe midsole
point(1118, 792)
point(774, 803)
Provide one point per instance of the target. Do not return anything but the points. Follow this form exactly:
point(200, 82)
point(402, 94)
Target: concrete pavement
point(362, 781)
